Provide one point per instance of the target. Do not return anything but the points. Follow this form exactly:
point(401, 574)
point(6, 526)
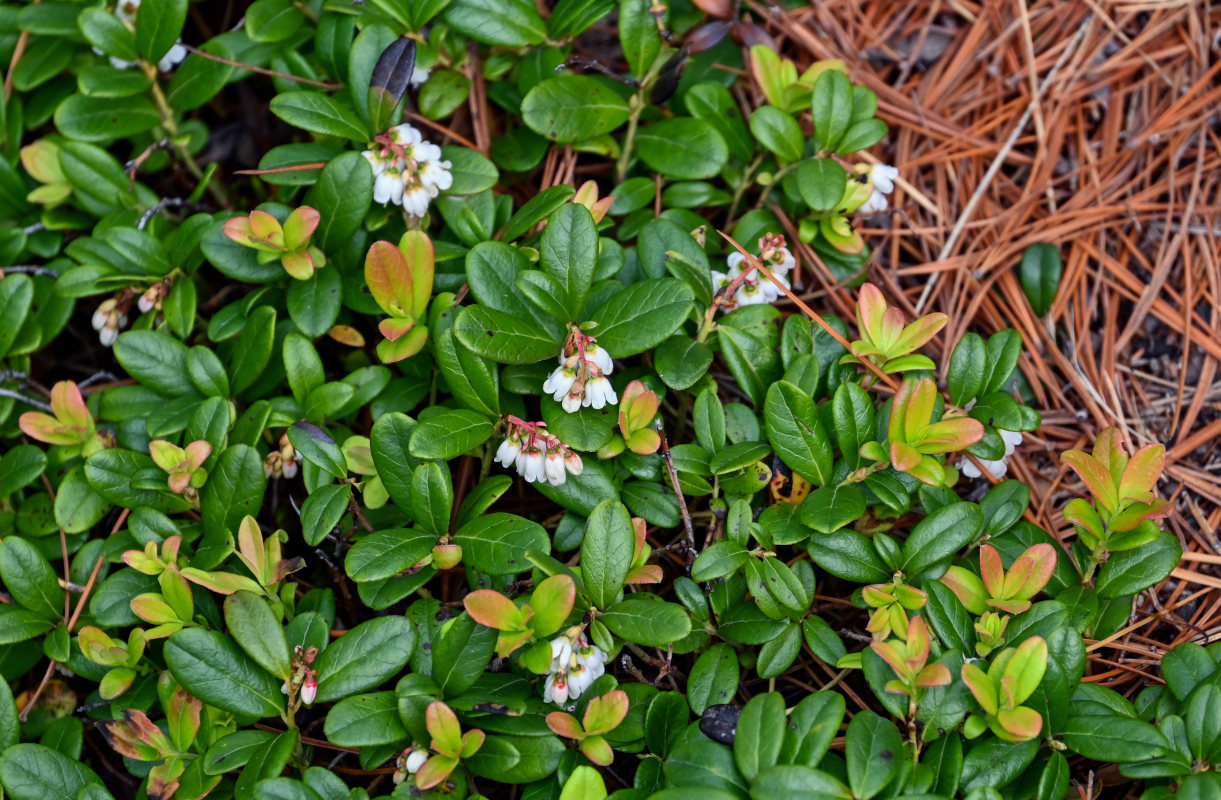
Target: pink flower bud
point(309, 689)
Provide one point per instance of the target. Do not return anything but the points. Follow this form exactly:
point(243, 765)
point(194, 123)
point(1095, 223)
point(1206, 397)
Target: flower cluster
point(407, 170)
point(111, 317)
point(580, 379)
point(882, 178)
point(537, 454)
point(283, 462)
point(304, 679)
point(153, 296)
point(744, 287)
point(126, 10)
point(998, 468)
point(409, 762)
point(575, 665)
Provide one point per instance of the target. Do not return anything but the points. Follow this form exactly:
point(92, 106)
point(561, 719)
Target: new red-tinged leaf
point(1095, 476)
point(1140, 475)
point(420, 258)
point(393, 328)
point(471, 742)
point(968, 588)
point(442, 725)
point(300, 226)
point(1021, 724)
point(981, 688)
point(434, 771)
point(389, 279)
point(598, 750)
point(552, 602)
point(603, 714)
point(68, 405)
point(565, 725)
point(493, 609)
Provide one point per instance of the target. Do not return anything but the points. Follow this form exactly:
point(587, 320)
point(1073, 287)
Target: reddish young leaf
point(442, 725)
point(552, 602)
point(604, 713)
point(299, 226)
point(565, 725)
point(389, 279)
point(493, 609)
point(598, 750)
point(420, 258)
point(434, 771)
point(1095, 477)
point(69, 406)
point(1139, 476)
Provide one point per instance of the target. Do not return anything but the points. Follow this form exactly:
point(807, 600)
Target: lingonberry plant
point(400, 465)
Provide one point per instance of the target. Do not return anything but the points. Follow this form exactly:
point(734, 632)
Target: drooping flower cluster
point(998, 468)
point(111, 317)
point(749, 287)
point(580, 379)
point(882, 178)
point(282, 463)
point(407, 170)
point(575, 665)
point(409, 762)
point(126, 10)
point(304, 678)
point(537, 455)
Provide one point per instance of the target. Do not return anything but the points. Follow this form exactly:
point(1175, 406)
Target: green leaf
point(664, 721)
point(252, 352)
point(503, 337)
point(460, 654)
point(583, 784)
point(848, 555)
point(937, 537)
point(682, 147)
point(342, 196)
point(35, 772)
point(472, 379)
point(388, 440)
point(759, 735)
point(719, 560)
point(105, 31)
point(366, 720)
point(652, 623)
point(432, 498)
point(821, 182)
point(708, 765)
point(638, 35)
point(993, 763)
point(472, 173)
point(364, 657)
point(386, 553)
point(257, 631)
point(10, 726)
point(16, 297)
point(1040, 275)
point(606, 552)
point(568, 252)
point(832, 107)
point(794, 780)
point(1112, 738)
point(20, 467)
point(272, 20)
point(862, 134)
point(318, 113)
point(714, 104)
point(234, 490)
point(158, 27)
point(497, 543)
point(680, 361)
point(874, 752)
point(1130, 571)
point(85, 119)
point(507, 23)
point(779, 132)
point(753, 363)
point(714, 678)
point(571, 108)
point(449, 434)
point(157, 360)
point(30, 579)
point(317, 447)
point(796, 432)
point(641, 316)
point(968, 367)
point(322, 510)
point(209, 666)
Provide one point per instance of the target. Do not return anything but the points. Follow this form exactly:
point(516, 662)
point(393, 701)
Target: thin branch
point(263, 71)
point(678, 494)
